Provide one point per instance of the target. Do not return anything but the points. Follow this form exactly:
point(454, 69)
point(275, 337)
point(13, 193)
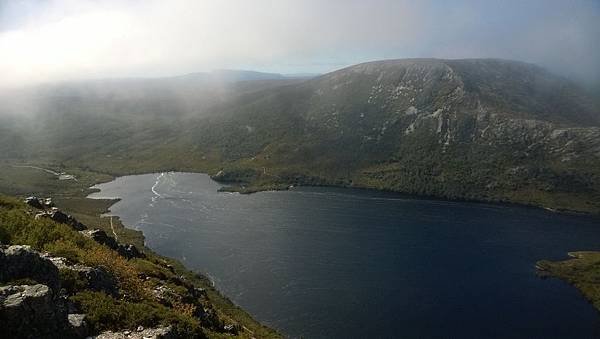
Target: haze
point(54, 40)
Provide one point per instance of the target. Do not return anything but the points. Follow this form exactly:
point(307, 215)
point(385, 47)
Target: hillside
point(474, 129)
point(479, 129)
point(62, 278)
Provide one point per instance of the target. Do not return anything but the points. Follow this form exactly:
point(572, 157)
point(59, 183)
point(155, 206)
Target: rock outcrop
point(57, 215)
point(128, 251)
point(37, 310)
point(34, 202)
point(51, 212)
point(39, 203)
point(78, 324)
point(21, 262)
point(139, 333)
point(97, 278)
point(31, 311)
point(101, 237)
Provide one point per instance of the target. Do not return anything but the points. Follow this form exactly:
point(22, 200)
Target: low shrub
point(66, 249)
point(126, 274)
point(71, 281)
point(106, 313)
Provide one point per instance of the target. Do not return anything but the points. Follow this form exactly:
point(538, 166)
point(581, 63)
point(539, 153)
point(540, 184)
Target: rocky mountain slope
point(476, 129)
point(480, 129)
point(59, 279)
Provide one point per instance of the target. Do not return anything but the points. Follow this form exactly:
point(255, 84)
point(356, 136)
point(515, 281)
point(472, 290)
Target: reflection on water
point(340, 263)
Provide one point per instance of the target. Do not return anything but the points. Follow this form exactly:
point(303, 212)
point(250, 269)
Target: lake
point(349, 263)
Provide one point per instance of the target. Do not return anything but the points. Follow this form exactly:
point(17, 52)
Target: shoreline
point(141, 240)
point(538, 266)
point(244, 187)
point(578, 270)
point(73, 197)
point(251, 188)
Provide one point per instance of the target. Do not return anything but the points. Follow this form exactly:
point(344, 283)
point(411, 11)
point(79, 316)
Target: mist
point(402, 136)
point(57, 40)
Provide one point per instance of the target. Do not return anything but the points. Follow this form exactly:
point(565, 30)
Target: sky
point(55, 40)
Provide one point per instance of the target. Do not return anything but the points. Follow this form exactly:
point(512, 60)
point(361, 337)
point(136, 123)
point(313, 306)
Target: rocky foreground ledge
point(42, 309)
point(33, 305)
point(60, 279)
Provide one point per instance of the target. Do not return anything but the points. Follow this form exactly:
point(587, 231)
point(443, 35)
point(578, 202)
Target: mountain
point(460, 129)
point(228, 75)
point(302, 75)
point(481, 129)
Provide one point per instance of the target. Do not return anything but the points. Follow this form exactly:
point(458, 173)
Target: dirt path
point(112, 227)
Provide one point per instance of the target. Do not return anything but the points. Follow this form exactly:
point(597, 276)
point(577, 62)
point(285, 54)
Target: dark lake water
point(343, 263)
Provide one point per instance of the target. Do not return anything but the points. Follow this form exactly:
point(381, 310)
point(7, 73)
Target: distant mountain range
point(480, 129)
point(226, 75)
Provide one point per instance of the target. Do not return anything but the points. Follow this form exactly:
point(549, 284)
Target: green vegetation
point(582, 271)
point(487, 130)
point(69, 195)
point(136, 302)
point(106, 313)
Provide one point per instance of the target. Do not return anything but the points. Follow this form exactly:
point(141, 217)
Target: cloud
point(67, 39)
